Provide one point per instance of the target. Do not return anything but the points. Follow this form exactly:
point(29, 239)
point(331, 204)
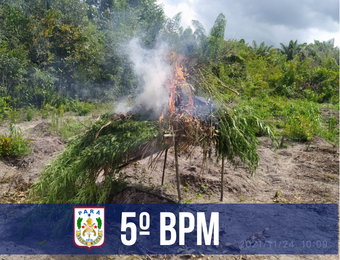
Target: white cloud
point(264, 20)
point(316, 34)
point(188, 13)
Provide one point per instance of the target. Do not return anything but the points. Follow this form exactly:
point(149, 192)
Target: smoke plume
point(152, 71)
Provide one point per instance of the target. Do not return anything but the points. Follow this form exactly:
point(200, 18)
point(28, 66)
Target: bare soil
point(298, 173)
point(16, 175)
point(303, 173)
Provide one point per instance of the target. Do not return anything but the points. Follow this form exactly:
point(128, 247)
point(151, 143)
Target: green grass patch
point(66, 127)
point(297, 119)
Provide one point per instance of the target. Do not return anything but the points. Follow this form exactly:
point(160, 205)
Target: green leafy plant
point(82, 108)
point(71, 177)
point(29, 114)
point(302, 120)
point(14, 145)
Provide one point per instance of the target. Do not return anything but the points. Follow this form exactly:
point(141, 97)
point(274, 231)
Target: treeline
point(52, 51)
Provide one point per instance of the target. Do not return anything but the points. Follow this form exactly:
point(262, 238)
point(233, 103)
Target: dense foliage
point(54, 49)
point(73, 176)
point(51, 49)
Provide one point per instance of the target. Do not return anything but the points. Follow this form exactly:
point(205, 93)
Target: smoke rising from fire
point(152, 70)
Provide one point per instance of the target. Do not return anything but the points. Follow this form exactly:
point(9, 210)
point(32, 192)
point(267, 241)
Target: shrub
point(302, 120)
point(29, 114)
point(84, 108)
point(299, 128)
point(14, 145)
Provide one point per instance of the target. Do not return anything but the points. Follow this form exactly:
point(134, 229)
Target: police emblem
point(89, 227)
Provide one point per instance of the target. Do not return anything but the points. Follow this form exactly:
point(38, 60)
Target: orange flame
point(172, 99)
point(161, 118)
point(179, 72)
point(178, 83)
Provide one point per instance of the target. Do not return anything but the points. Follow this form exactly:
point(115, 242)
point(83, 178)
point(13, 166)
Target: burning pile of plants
point(116, 140)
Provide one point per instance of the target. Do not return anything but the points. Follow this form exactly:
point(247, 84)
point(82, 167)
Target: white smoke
point(122, 107)
point(152, 71)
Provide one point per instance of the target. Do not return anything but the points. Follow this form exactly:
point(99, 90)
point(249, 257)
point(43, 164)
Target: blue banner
point(169, 229)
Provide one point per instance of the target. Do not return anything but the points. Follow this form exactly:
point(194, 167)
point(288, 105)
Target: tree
point(172, 30)
point(263, 49)
point(324, 50)
point(292, 49)
point(13, 53)
point(199, 32)
point(216, 38)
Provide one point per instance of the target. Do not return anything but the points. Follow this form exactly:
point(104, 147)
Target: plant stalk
point(165, 157)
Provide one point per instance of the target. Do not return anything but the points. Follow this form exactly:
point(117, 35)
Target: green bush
point(14, 145)
point(299, 128)
point(302, 120)
point(29, 114)
point(67, 104)
point(84, 108)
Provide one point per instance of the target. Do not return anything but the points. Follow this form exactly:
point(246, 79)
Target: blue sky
point(271, 21)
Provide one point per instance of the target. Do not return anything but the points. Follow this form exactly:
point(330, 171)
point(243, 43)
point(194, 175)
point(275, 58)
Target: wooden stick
point(177, 171)
point(171, 135)
point(222, 173)
point(165, 156)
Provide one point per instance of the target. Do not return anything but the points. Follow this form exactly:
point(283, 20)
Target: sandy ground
point(302, 174)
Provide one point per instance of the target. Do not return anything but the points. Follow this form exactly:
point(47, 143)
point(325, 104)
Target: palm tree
point(292, 49)
point(263, 49)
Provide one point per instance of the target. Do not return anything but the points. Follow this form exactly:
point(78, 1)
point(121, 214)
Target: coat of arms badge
point(89, 227)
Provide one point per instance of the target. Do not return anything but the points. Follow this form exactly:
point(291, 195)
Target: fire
point(161, 118)
point(179, 71)
point(172, 99)
point(180, 91)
